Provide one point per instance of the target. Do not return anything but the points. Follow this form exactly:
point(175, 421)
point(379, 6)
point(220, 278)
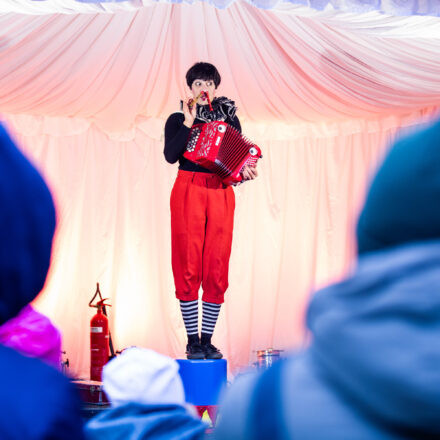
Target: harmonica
point(193, 101)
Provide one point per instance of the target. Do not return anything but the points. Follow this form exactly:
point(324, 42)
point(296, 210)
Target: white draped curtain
point(86, 95)
point(293, 232)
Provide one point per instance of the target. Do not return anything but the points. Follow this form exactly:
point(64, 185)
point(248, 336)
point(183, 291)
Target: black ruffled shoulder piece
point(222, 109)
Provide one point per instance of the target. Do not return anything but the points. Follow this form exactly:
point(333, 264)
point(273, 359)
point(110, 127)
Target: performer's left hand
point(249, 173)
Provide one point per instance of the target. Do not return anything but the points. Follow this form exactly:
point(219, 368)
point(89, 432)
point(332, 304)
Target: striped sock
point(190, 315)
point(209, 319)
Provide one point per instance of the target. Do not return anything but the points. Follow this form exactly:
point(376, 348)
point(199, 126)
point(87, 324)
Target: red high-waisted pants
point(202, 219)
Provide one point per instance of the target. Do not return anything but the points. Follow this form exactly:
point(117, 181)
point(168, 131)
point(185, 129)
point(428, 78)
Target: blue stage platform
point(203, 380)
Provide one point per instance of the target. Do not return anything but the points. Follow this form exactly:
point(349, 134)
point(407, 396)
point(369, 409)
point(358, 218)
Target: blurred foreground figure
point(372, 370)
point(33, 334)
point(37, 402)
point(148, 400)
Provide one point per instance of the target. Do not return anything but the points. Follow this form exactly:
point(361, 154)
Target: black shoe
point(195, 351)
point(211, 352)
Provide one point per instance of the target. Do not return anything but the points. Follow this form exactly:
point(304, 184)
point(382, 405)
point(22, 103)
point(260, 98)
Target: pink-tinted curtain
point(117, 70)
point(293, 231)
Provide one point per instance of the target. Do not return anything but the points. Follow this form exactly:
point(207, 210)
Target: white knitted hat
point(143, 376)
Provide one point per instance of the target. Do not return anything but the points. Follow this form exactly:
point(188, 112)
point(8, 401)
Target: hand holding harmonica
point(192, 102)
point(189, 108)
point(189, 113)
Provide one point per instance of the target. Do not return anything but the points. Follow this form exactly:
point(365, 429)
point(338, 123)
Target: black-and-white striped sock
point(190, 315)
point(209, 319)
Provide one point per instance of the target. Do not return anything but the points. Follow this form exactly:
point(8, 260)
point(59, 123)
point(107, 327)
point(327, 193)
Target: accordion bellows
point(221, 149)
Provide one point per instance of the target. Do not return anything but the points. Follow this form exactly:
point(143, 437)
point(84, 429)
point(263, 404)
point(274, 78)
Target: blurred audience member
point(33, 334)
point(148, 400)
point(37, 402)
point(372, 370)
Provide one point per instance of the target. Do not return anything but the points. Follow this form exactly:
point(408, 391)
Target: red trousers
point(202, 220)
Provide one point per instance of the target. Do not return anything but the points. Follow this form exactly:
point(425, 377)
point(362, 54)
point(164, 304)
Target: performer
point(202, 213)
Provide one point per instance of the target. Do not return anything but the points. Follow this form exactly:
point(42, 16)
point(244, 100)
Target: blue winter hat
point(403, 204)
point(27, 225)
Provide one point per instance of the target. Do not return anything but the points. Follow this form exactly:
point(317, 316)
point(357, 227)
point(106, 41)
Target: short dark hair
point(205, 71)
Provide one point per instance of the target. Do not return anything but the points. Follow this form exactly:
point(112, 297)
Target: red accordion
point(222, 149)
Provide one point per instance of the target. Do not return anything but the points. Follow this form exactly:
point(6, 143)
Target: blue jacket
point(372, 371)
point(134, 421)
point(36, 401)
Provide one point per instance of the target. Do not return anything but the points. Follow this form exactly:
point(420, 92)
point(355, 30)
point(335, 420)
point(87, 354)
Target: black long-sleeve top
point(176, 137)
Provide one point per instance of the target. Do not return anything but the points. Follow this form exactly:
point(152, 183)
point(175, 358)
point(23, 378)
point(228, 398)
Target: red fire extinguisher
point(99, 342)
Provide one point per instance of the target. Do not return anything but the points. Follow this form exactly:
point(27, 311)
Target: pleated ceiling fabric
point(393, 7)
point(119, 69)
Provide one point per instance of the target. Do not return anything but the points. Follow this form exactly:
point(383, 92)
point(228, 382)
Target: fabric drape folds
point(117, 70)
point(394, 7)
point(294, 229)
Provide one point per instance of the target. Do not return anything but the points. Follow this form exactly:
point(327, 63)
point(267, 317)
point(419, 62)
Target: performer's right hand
point(190, 115)
point(249, 173)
